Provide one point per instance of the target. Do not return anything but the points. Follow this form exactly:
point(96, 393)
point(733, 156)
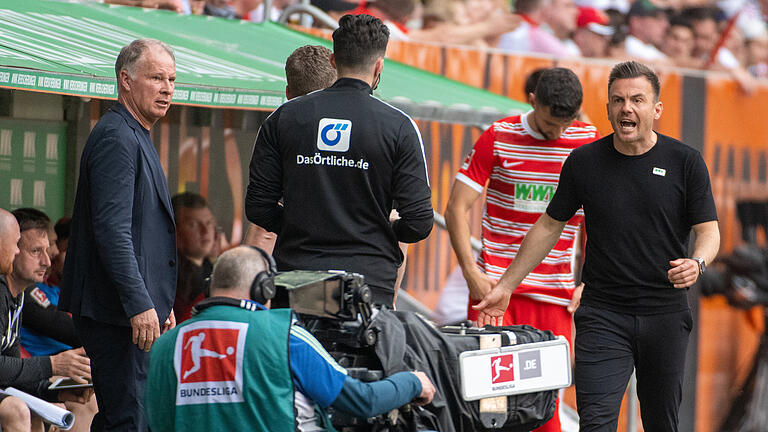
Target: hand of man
point(146, 329)
point(73, 364)
point(684, 272)
point(576, 299)
point(479, 284)
point(169, 323)
point(427, 389)
point(81, 395)
point(492, 307)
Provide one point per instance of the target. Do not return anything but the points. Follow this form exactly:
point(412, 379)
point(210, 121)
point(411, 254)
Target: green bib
point(226, 369)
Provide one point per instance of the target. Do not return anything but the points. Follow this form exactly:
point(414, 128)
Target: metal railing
point(307, 11)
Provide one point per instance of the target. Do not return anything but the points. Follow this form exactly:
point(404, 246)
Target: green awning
point(70, 48)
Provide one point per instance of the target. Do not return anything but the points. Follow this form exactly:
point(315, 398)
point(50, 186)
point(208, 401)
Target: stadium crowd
point(724, 35)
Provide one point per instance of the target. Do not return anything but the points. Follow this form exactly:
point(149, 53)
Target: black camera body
point(372, 342)
point(335, 306)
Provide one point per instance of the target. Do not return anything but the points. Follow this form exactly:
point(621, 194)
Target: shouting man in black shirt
point(342, 160)
point(642, 193)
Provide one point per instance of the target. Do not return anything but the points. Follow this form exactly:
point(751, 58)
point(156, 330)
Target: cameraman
point(237, 364)
point(342, 160)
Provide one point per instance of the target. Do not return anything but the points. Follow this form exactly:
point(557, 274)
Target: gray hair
point(236, 269)
point(131, 54)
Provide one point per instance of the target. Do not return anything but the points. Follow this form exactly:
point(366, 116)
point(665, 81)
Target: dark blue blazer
point(121, 257)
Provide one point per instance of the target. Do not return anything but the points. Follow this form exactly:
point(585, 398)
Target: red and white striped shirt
point(522, 169)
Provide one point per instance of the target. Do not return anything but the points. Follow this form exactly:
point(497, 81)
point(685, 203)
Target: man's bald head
point(9, 241)
point(235, 271)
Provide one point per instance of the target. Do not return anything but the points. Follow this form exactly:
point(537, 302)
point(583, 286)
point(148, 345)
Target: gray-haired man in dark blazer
point(120, 271)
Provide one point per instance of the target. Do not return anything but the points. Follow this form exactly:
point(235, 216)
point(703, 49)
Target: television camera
point(372, 342)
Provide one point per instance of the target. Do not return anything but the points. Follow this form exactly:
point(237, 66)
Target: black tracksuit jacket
point(31, 374)
point(340, 159)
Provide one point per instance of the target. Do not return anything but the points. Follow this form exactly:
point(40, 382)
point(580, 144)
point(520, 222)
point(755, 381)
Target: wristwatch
point(702, 264)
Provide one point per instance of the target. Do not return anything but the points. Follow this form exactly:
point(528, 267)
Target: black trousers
point(119, 371)
point(608, 345)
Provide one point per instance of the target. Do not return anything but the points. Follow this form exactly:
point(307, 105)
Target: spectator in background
point(61, 229)
point(593, 32)
point(394, 14)
point(494, 14)
point(706, 34)
point(441, 12)
point(561, 17)
point(723, 58)
point(529, 36)
point(618, 7)
point(757, 55)
point(457, 22)
point(253, 10)
point(617, 47)
point(679, 44)
point(647, 27)
point(736, 44)
point(196, 7)
point(466, 22)
point(195, 235)
point(243, 8)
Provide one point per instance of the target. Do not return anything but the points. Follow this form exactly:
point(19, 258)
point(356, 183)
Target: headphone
point(263, 285)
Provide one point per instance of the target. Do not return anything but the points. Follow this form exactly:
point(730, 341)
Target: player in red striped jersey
point(519, 159)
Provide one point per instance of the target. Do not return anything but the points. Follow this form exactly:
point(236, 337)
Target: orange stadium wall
point(208, 150)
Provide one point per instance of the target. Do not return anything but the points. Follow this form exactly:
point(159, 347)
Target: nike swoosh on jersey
point(510, 164)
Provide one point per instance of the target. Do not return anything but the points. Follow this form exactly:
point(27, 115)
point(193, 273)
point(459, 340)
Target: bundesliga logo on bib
point(208, 359)
point(333, 134)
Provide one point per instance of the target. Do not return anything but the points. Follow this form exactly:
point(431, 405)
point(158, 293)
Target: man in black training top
point(342, 160)
point(642, 193)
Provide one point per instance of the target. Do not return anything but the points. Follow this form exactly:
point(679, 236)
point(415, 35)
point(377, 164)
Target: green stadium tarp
point(70, 48)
